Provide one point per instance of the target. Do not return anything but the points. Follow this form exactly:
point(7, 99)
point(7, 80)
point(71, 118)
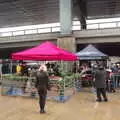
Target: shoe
point(106, 100)
point(42, 111)
point(98, 100)
point(114, 91)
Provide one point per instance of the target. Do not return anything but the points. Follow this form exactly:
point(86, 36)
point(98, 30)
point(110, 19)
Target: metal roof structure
point(29, 12)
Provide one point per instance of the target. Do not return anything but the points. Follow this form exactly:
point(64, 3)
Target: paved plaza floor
point(81, 106)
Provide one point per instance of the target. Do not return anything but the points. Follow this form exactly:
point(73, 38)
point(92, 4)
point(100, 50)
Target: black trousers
point(42, 100)
point(101, 91)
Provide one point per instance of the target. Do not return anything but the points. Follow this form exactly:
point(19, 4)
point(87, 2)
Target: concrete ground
point(81, 106)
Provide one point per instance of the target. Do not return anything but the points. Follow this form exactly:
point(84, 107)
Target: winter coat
point(42, 82)
point(100, 78)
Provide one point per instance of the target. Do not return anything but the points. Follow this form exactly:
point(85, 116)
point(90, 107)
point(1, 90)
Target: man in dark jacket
point(100, 83)
point(42, 84)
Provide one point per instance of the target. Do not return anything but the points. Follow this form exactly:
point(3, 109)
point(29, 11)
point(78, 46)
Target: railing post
point(24, 32)
point(37, 30)
point(51, 29)
point(12, 33)
point(117, 23)
point(98, 26)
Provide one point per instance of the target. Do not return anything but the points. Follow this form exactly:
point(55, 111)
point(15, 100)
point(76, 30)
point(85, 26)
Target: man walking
point(100, 83)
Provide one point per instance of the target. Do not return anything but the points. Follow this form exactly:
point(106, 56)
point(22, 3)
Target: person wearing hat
point(42, 85)
point(100, 83)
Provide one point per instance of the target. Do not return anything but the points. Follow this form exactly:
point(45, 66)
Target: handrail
point(99, 25)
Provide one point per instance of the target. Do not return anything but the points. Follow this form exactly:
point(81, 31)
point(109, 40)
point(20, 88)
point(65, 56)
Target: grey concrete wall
point(23, 44)
point(97, 33)
point(27, 40)
point(87, 36)
point(98, 36)
point(32, 37)
point(107, 39)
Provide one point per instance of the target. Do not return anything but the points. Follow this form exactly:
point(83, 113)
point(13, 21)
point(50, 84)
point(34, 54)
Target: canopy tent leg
point(11, 64)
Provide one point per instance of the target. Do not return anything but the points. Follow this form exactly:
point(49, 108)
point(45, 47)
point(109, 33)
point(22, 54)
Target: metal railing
point(52, 29)
point(30, 31)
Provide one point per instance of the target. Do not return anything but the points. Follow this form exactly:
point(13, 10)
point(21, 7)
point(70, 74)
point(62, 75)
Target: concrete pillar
point(67, 43)
point(66, 17)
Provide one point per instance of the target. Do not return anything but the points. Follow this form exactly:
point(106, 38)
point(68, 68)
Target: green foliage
point(77, 75)
point(63, 74)
point(14, 77)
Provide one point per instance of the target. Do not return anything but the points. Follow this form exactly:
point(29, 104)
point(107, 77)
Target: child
point(112, 88)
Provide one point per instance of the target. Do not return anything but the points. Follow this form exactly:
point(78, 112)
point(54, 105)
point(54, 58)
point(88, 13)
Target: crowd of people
point(101, 78)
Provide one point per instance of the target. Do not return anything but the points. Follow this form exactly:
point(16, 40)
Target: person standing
point(42, 85)
point(100, 83)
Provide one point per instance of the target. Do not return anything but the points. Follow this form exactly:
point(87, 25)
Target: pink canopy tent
point(45, 51)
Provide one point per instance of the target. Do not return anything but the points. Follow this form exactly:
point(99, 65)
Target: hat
point(108, 70)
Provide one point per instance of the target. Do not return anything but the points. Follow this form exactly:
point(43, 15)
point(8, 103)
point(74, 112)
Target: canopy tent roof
point(91, 53)
point(45, 51)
